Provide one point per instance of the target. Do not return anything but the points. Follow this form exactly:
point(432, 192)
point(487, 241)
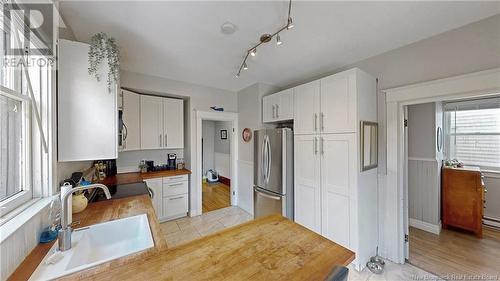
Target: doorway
point(215, 175)
point(434, 134)
point(216, 165)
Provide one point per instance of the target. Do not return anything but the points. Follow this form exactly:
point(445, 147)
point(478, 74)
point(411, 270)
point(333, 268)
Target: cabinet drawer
point(167, 180)
point(175, 205)
point(175, 188)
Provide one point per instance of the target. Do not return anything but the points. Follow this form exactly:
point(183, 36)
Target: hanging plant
point(101, 47)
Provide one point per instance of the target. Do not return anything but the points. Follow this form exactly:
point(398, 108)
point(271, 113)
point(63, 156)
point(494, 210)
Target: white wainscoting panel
point(222, 164)
point(424, 191)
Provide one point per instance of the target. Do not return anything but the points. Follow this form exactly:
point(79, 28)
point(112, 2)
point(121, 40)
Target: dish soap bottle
point(50, 233)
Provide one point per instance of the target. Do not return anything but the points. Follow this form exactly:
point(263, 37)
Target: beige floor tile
point(209, 228)
point(233, 220)
point(181, 237)
point(169, 227)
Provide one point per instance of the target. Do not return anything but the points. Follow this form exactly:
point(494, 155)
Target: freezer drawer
point(267, 203)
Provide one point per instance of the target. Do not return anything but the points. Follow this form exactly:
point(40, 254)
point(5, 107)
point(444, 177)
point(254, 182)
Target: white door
point(307, 194)
point(338, 172)
point(338, 103)
point(173, 123)
point(306, 108)
point(284, 105)
point(268, 108)
point(151, 122)
point(156, 186)
point(131, 120)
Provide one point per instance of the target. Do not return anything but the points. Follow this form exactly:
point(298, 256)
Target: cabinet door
point(156, 186)
point(338, 172)
point(284, 105)
point(173, 123)
point(87, 111)
point(338, 103)
point(151, 122)
point(131, 120)
point(307, 182)
point(175, 206)
point(268, 108)
point(306, 108)
point(335, 218)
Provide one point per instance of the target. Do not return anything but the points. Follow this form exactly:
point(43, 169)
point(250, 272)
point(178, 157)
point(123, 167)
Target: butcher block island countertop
point(270, 248)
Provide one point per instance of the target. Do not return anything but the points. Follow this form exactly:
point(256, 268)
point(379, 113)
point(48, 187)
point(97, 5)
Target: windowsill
point(491, 173)
point(12, 221)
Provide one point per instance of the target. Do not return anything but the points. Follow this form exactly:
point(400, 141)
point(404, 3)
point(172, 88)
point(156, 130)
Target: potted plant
point(104, 47)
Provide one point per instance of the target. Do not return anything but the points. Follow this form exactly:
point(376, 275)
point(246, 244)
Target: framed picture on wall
point(223, 134)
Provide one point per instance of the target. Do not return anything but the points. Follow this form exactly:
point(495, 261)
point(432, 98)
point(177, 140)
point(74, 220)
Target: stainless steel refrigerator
point(273, 172)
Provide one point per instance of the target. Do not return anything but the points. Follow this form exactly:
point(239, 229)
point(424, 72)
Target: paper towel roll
point(65, 188)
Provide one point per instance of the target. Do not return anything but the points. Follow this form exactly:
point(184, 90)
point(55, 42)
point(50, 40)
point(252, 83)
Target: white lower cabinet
point(170, 199)
point(335, 218)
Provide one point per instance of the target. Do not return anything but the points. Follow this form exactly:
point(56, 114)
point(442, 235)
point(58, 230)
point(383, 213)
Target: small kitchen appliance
point(172, 161)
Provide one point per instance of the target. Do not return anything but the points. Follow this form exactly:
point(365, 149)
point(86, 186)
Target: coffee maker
point(172, 161)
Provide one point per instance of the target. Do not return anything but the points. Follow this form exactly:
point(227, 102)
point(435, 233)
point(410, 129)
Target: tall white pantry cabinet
point(333, 197)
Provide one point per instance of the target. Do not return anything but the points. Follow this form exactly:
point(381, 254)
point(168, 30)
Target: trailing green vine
point(101, 47)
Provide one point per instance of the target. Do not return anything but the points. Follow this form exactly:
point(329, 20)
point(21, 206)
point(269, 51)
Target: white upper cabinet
point(173, 123)
point(151, 122)
point(131, 120)
point(338, 103)
point(278, 107)
point(87, 110)
point(307, 107)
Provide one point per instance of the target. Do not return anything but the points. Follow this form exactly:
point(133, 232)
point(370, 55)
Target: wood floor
point(215, 196)
point(454, 252)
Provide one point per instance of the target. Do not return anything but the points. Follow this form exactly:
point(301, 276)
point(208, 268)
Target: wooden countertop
point(101, 212)
point(270, 248)
point(126, 178)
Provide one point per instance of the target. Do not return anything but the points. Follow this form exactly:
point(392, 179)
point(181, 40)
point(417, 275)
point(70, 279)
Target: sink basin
point(97, 244)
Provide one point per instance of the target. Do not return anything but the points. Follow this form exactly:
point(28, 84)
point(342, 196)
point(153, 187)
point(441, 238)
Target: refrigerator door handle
point(263, 164)
point(268, 159)
point(265, 194)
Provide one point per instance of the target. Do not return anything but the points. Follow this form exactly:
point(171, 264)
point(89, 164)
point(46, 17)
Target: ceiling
point(183, 41)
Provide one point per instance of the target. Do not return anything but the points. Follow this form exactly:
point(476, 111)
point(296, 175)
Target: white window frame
point(10, 203)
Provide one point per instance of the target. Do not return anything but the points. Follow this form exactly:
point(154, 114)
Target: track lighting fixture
point(253, 52)
point(264, 38)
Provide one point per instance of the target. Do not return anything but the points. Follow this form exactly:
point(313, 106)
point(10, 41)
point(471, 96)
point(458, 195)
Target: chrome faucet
point(64, 234)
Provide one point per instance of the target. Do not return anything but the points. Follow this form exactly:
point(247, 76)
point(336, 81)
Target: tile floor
point(186, 229)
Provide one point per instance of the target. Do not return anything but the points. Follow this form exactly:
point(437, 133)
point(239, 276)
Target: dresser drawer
point(175, 205)
point(174, 188)
point(175, 179)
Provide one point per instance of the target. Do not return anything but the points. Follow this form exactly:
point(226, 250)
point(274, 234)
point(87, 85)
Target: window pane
point(476, 121)
point(11, 128)
point(481, 150)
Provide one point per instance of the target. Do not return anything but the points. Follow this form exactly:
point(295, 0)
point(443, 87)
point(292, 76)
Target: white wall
point(128, 161)
point(250, 116)
point(208, 135)
point(421, 125)
point(492, 210)
point(222, 148)
point(196, 97)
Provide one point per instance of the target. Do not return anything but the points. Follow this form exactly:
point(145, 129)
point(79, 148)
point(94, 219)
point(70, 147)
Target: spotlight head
point(290, 23)
point(278, 40)
point(245, 66)
point(253, 52)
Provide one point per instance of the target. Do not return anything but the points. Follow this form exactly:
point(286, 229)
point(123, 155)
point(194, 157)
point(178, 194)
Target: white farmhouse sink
point(97, 244)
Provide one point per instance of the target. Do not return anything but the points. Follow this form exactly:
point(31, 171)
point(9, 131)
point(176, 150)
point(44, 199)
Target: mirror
point(369, 145)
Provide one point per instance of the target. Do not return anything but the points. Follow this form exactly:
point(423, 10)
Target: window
point(474, 132)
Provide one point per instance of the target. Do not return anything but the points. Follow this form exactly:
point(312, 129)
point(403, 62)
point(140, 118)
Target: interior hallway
point(454, 252)
point(215, 196)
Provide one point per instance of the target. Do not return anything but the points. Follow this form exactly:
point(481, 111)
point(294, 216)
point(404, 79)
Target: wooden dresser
point(462, 199)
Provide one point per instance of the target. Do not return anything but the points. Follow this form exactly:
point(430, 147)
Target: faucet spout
point(64, 234)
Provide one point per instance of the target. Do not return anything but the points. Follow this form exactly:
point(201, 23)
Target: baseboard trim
point(225, 180)
point(491, 222)
point(425, 226)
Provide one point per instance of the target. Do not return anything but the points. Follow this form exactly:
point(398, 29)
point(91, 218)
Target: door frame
point(196, 192)
point(474, 85)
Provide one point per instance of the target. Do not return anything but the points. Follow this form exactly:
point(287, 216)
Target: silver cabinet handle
point(160, 140)
point(315, 122)
point(277, 111)
point(315, 145)
point(274, 107)
point(322, 121)
point(321, 144)
point(175, 198)
point(165, 144)
point(176, 184)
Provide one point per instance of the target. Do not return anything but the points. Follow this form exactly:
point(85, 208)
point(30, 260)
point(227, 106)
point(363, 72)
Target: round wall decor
point(246, 134)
